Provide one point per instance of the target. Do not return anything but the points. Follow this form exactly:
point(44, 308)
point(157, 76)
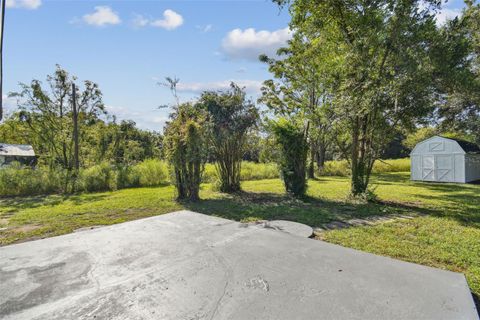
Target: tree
point(49, 117)
point(298, 92)
point(375, 62)
point(187, 148)
point(460, 107)
point(231, 115)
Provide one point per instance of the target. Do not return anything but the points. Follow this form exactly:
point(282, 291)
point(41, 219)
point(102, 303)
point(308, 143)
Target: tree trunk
point(1, 57)
point(75, 130)
point(356, 183)
point(321, 156)
point(311, 166)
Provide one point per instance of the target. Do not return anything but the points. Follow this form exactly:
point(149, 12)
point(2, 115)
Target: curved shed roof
point(21, 150)
point(439, 144)
point(467, 146)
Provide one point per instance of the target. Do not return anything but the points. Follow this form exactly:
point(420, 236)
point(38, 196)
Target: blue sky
point(128, 46)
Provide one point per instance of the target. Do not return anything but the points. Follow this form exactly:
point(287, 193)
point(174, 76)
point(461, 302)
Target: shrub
point(293, 160)
point(17, 180)
point(258, 171)
point(126, 178)
point(100, 177)
point(392, 165)
point(335, 168)
point(149, 173)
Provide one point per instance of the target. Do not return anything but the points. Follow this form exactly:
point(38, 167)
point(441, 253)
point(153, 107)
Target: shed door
point(444, 168)
point(428, 168)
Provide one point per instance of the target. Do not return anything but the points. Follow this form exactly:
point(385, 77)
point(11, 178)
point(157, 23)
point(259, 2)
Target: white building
point(442, 159)
point(16, 153)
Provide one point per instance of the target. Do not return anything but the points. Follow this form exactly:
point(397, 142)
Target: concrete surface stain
point(258, 283)
point(73, 270)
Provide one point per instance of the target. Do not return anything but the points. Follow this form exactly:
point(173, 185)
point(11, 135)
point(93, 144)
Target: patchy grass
point(446, 236)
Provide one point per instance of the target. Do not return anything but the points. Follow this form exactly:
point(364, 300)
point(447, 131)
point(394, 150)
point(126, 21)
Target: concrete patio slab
point(186, 265)
point(295, 228)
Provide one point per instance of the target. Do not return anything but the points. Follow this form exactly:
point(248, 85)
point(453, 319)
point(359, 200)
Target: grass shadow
point(313, 211)
point(15, 204)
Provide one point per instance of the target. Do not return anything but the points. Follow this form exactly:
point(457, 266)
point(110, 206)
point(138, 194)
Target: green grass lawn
point(446, 236)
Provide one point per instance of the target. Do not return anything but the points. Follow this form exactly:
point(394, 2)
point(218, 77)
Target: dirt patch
point(25, 228)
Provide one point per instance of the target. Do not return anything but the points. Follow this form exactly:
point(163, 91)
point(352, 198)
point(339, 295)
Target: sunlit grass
point(446, 236)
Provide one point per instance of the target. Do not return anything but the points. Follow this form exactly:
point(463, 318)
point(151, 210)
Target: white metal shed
point(442, 159)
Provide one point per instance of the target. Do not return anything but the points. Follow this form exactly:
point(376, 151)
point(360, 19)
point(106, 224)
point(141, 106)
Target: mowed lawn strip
point(446, 236)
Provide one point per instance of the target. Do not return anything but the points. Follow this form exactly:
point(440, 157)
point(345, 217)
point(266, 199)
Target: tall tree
point(48, 113)
point(460, 107)
point(186, 149)
point(375, 61)
point(298, 93)
point(231, 116)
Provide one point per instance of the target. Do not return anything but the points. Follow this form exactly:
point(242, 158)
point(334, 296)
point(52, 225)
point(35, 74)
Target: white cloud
point(446, 14)
point(171, 20)
point(25, 4)
point(102, 16)
point(249, 44)
point(251, 86)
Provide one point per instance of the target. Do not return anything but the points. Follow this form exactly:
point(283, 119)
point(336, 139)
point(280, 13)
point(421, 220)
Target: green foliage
point(342, 169)
point(46, 115)
point(335, 168)
point(150, 173)
point(230, 116)
point(186, 149)
point(417, 136)
point(16, 180)
point(100, 177)
point(259, 171)
point(424, 133)
point(292, 141)
point(250, 171)
point(122, 144)
point(376, 68)
point(458, 61)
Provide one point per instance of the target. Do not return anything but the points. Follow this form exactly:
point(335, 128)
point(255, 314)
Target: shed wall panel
point(472, 167)
point(459, 168)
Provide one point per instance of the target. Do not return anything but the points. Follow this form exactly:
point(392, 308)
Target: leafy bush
point(335, 168)
point(293, 161)
point(126, 178)
point(149, 173)
point(258, 171)
point(18, 180)
point(392, 165)
point(100, 177)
